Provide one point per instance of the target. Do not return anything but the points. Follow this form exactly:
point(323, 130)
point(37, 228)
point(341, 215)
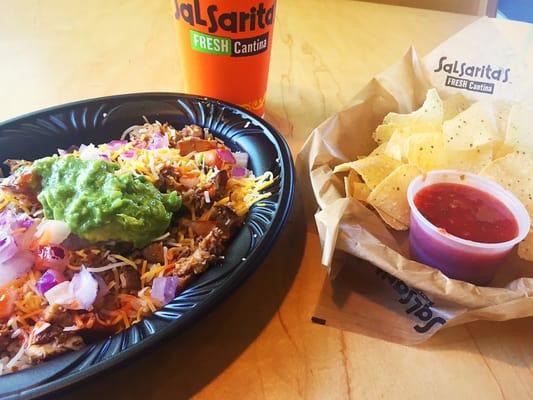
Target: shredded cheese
point(125, 260)
point(107, 267)
point(153, 272)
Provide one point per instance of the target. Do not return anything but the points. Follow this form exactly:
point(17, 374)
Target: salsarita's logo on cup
point(217, 23)
point(416, 302)
point(476, 78)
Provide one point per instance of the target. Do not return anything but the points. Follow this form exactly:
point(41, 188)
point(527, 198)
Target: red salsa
point(467, 212)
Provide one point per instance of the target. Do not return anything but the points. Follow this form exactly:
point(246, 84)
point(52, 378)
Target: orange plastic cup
point(224, 46)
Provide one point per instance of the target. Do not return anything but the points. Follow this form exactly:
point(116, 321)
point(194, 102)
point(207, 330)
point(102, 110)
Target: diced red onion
point(127, 154)
point(48, 280)
point(8, 248)
point(5, 219)
point(84, 148)
point(15, 267)
point(239, 172)
point(140, 144)
point(62, 152)
point(60, 294)
point(90, 152)
point(84, 287)
point(25, 221)
point(114, 145)
point(55, 257)
point(78, 294)
point(226, 156)
point(164, 289)
point(10, 220)
point(158, 141)
point(25, 239)
point(241, 159)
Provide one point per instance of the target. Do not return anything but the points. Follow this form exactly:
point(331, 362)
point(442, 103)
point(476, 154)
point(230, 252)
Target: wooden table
point(260, 343)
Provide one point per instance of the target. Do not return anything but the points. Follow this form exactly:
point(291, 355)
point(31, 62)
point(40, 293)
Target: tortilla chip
point(454, 105)
point(347, 187)
point(361, 191)
point(519, 132)
point(390, 196)
point(502, 150)
point(472, 160)
point(501, 111)
point(472, 128)
point(397, 145)
point(430, 114)
point(426, 151)
point(354, 187)
point(514, 172)
point(383, 133)
point(372, 169)
point(525, 248)
point(378, 151)
point(392, 222)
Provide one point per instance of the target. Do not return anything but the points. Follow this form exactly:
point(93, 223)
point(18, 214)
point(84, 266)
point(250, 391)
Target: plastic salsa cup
point(459, 258)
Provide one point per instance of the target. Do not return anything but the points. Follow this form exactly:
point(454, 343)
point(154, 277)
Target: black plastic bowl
point(100, 120)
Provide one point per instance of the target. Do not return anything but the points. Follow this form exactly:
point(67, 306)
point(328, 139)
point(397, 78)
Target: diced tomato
point(7, 303)
point(194, 144)
point(212, 191)
point(189, 180)
point(212, 159)
point(203, 228)
point(54, 257)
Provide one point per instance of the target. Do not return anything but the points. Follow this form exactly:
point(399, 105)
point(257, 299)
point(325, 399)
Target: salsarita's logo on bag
point(416, 302)
point(476, 78)
point(217, 23)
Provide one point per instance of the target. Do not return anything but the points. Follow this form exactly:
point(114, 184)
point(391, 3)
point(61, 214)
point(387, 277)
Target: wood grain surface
point(260, 343)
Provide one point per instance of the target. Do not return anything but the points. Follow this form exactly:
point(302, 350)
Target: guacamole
point(100, 205)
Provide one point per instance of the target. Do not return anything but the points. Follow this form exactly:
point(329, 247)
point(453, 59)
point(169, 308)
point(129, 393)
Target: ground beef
point(40, 352)
point(131, 281)
point(227, 221)
point(154, 253)
point(56, 314)
point(54, 333)
point(5, 338)
point(195, 199)
point(209, 248)
point(192, 131)
point(23, 182)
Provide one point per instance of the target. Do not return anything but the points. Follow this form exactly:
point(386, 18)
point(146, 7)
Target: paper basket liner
point(381, 291)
